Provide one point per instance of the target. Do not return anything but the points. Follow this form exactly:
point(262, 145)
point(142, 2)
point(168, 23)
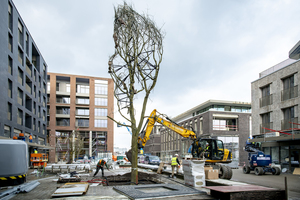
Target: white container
point(13, 158)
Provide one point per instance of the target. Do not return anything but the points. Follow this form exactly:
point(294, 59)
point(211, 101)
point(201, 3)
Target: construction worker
point(35, 151)
point(174, 164)
point(100, 165)
point(206, 150)
point(30, 138)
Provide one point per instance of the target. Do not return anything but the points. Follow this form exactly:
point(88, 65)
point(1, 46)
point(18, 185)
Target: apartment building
point(23, 79)
point(229, 121)
point(275, 110)
point(78, 107)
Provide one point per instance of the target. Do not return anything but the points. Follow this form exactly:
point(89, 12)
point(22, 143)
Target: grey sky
point(212, 49)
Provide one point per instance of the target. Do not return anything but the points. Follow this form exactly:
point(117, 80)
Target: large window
point(63, 110)
point(82, 122)
point(10, 43)
point(266, 96)
point(101, 123)
point(61, 99)
point(10, 17)
point(20, 56)
point(9, 111)
point(289, 118)
point(266, 124)
point(21, 36)
point(100, 101)
point(82, 100)
point(83, 111)
point(101, 112)
point(84, 89)
point(20, 117)
point(289, 89)
point(20, 97)
point(100, 89)
point(62, 122)
point(20, 76)
point(10, 65)
point(9, 88)
point(225, 124)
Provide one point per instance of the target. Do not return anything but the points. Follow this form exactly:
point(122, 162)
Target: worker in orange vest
point(30, 138)
point(100, 165)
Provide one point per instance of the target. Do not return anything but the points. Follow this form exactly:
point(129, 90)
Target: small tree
point(134, 67)
point(76, 145)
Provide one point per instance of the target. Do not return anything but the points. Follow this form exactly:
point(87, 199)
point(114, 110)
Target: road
point(269, 180)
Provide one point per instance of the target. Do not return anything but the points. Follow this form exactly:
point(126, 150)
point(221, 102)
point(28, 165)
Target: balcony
point(264, 127)
point(289, 93)
point(265, 101)
point(82, 123)
point(288, 123)
point(62, 123)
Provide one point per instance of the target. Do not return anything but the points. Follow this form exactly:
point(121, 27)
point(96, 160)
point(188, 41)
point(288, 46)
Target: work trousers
point(97, 170)
point(173, 167)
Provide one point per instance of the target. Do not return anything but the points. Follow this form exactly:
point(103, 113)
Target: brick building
point(79, 105)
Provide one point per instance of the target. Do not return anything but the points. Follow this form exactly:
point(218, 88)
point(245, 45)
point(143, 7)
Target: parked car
point(152, 160)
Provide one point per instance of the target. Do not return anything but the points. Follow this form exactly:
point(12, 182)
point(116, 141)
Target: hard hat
point(105, 159)
point(176, 154)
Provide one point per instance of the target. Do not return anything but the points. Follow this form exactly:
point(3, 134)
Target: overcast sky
point(212, 49)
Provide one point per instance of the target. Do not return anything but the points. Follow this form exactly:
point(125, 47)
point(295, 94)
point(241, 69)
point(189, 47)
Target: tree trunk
point(134, 149)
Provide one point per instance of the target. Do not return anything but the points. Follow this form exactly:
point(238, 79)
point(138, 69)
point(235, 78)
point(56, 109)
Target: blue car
point(152, 160)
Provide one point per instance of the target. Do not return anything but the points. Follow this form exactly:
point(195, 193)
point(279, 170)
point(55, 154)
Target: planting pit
point(125, 179)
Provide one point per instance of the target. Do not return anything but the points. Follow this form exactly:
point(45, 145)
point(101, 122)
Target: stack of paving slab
point(194, 172)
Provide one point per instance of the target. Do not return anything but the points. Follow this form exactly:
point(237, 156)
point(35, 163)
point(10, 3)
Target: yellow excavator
point(210, 149)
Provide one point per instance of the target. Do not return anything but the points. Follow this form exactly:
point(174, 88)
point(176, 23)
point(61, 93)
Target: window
point(34, 108)
point(39, 126)
point(61, 99)
point(7, 131)
point(100, 89)
point(289, 89)
point(101, 112)
point(266, 96)
point(62, 122)
point(9, 111)
point(85, 89)
point(57, 87)
point(100, 101)
point(44, 71)
point(101, 123)
point(266, 123)
point(20, 96)
point(20, 56)
point(63, 110)
point(10, 71)
point(48, 86)
point(20, 76)
point(44, 115)
point(82, 122)
point(34, 91)
point(9, 88)
point(27, 44)
point(44, 87)
point(44, 101)
point(288, 118)
point(225, 124)
point(83, 100)
point(82, 111)
point(10, 43)
point(20, 29)
point(10, 17)
point(33, 125)
point(68, 87)
point(20, 117)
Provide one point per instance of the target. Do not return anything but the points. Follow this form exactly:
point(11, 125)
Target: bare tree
point(76, 145)
point(134, 67)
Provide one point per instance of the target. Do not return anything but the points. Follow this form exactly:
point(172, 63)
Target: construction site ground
point(48, 185)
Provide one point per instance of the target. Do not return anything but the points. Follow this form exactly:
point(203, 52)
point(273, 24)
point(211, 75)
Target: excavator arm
point(165, 121)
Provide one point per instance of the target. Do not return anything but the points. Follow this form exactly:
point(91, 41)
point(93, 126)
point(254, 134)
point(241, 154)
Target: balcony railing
point(289, 93)
point(288, 123)
point(264, 127)
point(63, 123)
point(267, 100)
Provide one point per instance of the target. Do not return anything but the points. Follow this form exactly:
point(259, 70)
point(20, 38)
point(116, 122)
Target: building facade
point(228, 121)
point(153, 145)
point(78, 107)
point(275, 111)
point(23, 78)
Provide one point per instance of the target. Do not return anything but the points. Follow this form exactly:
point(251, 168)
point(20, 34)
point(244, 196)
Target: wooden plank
point(296, 171)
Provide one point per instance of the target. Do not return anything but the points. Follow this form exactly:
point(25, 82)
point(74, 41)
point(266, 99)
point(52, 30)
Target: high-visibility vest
point(100, 164)
point(30, 137)
point(174, 161)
